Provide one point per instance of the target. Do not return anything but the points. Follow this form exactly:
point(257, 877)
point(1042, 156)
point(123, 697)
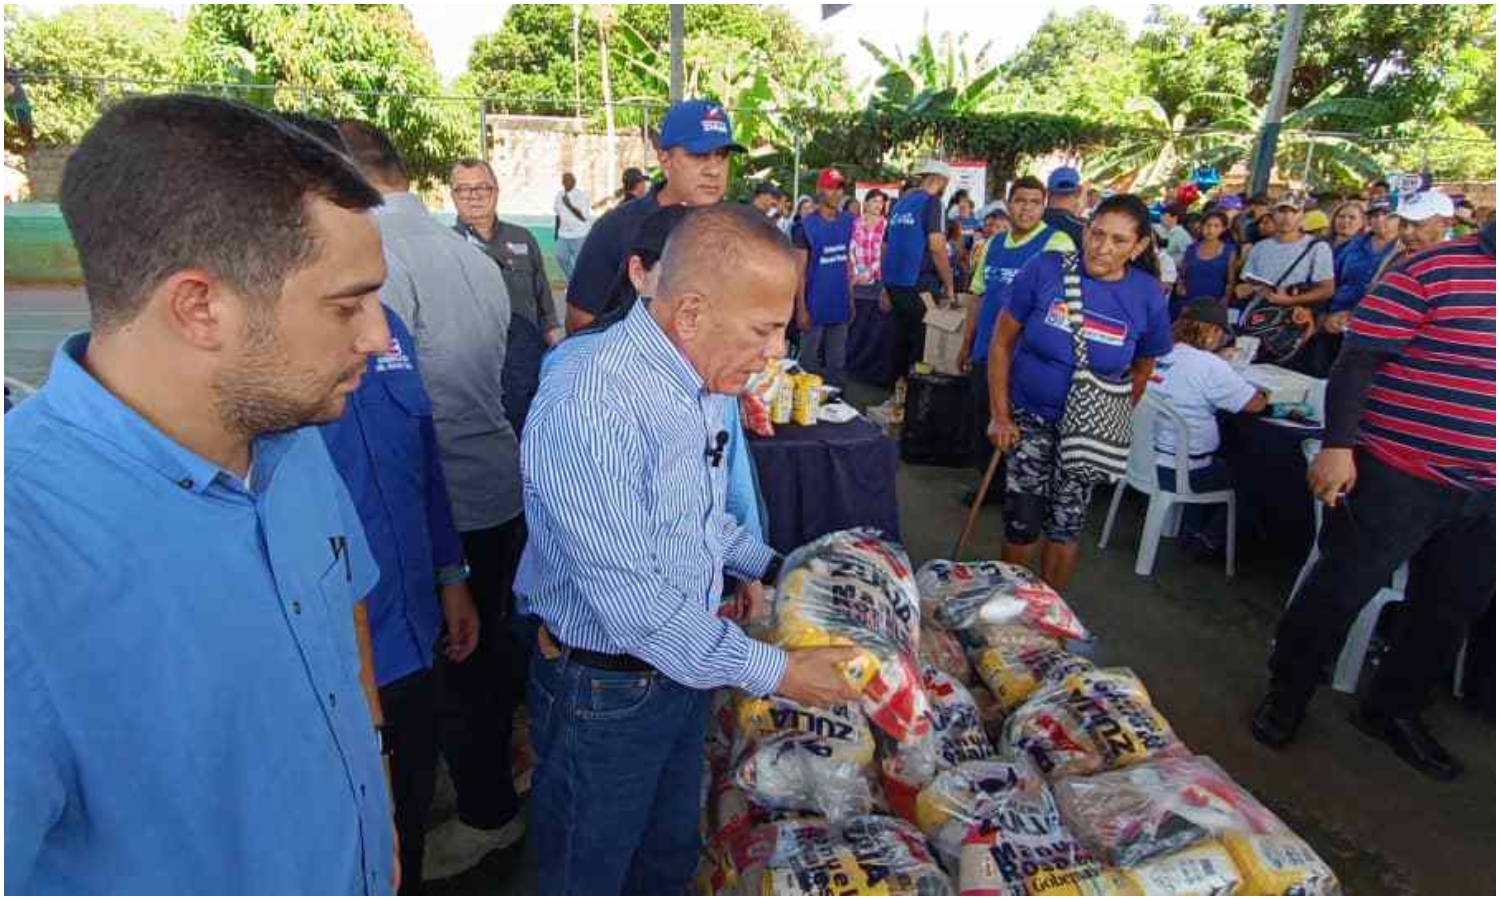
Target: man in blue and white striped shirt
point(624, 489)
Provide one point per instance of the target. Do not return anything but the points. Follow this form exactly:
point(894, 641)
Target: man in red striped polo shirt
point(1408, 473)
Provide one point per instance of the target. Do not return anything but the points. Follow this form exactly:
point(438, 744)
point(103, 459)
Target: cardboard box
point(945, 334)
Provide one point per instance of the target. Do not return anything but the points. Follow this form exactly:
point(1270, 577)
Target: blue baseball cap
point(698, 126)
point(1064, 180)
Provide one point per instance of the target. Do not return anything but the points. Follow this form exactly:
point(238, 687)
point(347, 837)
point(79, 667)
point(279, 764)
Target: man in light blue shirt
point(190, 704)
point(624, 482)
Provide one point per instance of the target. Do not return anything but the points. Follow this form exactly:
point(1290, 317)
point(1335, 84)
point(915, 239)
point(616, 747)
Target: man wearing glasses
point(534, 324)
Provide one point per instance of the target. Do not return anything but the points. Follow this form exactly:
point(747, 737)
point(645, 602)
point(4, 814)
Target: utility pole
point(1270, 130)
point(675, 12)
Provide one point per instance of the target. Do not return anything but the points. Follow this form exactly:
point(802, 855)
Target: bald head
point(713, 242)
point(727, 282)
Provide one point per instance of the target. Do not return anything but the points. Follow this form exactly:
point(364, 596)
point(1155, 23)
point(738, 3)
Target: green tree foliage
point(1397, 55)
point(129, 42)
point(1081, 64)
point(939, 76)
point(338, 61)
point(527, 65)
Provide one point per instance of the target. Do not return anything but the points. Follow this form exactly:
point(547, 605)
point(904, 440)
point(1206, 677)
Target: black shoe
point(993, 498)
point(1202, 548)
point(1411, 740)
point(1277, 718)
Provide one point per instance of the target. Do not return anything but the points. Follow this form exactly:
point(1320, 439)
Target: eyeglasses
point(481, 190)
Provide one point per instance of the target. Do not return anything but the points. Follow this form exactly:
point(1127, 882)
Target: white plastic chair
point(1140, 474)
point(1357, 645)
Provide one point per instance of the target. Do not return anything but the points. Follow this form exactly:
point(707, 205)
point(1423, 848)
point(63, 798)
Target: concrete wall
point(44, 171)
point(530, 153)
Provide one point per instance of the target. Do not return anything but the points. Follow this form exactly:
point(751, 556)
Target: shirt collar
point(400, 202)
point(76, 397)
point(647, 335)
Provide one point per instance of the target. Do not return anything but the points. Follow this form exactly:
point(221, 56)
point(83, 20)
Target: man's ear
point(194, 305)
point(689, 315)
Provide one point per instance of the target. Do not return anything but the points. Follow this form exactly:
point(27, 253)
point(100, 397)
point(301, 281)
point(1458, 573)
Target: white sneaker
point(453, 847)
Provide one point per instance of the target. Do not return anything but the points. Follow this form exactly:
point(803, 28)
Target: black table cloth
point(1270, 485)
point(872, 342)
point(821, 478)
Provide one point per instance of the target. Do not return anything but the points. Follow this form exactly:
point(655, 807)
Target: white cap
point(1424, 205)
point(994, 206)
point(935, 167)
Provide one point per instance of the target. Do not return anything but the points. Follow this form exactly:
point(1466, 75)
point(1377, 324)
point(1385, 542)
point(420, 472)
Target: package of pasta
point(941, 648)
point(1092, 721)
point(852, 589)
point(996, 825)
point(1203, 870)
point(995, 593)
point(864, 856)
point(1013, 675)
point(1164, 806)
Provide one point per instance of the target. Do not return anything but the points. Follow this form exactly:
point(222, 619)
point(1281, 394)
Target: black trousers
point(410, 707)
point(979, 397)
point(478, 697)
point(1447, 534)
point(908, 311)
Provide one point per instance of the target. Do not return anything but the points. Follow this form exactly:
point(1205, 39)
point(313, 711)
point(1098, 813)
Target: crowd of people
point(504, 507)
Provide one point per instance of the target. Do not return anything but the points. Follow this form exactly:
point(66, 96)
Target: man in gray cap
point(693, 151)
point(916, 258)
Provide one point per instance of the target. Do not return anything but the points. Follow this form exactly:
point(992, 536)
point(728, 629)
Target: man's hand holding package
point(816, 677)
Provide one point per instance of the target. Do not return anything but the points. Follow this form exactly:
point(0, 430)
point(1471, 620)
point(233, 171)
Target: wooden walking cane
point(984, 490)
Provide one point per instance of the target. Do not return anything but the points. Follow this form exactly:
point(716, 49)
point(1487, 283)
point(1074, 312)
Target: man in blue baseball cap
point(693, 150)
point(1065, 199)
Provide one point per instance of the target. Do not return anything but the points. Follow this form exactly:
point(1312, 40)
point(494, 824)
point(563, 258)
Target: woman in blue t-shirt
point(1207, 268)
point(1125, 327)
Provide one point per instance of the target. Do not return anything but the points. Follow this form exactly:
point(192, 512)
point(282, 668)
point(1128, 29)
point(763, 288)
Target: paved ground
point(1198, 641)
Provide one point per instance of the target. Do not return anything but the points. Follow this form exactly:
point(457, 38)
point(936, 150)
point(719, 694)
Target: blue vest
point(828, 243)
point(1001, 263)
point(906, 253)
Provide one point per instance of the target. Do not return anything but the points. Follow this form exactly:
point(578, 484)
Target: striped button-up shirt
point(629, 535)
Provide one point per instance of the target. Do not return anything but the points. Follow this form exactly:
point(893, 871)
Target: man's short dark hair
point(178, 181)
point(473, 162)
point(322, 129)
point(1026, 183)
point(372, 150)
point(766, 188)
point(714, 240)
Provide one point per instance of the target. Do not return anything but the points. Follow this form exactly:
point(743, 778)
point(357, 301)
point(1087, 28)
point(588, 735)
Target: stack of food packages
point(983, 757)
point(782, 394)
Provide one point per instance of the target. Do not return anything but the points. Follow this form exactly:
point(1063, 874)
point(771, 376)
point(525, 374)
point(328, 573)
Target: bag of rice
point(852, 589)
point(1091, 722)
point(995, 593)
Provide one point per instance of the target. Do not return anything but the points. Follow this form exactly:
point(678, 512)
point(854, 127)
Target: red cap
point(830, 179)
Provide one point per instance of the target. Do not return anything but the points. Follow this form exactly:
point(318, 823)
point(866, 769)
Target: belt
point(614, 662)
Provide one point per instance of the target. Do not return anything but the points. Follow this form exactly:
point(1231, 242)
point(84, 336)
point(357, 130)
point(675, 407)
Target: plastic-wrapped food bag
point(1202, 870)
point(852, 589)
point(957, 736)
point(1166, 805)
point(995, 823)
point(1091, 722)
point(869, 855)
point(805, 772)
point(1014, 675)
point(942, 648)
point(995, 593)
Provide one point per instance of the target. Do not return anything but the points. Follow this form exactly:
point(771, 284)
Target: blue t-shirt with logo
point(907, 264)
point(1123, 321)
point(827, 244)
point(1002, 262)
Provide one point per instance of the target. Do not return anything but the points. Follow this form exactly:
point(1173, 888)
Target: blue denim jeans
point(567, 253)
point(618, 785)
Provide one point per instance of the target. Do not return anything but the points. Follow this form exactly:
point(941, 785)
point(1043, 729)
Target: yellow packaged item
point(782, 400)
point(1014, 675)
point(1279, 863)
point(805, 400)
point(864, 856)
point(1203, 870)
point(1091, 722)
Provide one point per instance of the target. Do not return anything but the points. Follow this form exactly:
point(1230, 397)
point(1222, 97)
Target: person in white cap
point(916, 259)
point(1425, 219)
